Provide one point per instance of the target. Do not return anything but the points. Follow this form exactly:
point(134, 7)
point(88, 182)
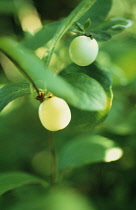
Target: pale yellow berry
point(83, 50)
point(54, 114)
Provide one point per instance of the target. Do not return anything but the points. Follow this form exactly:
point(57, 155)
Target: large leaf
point(35, 71)
point(88, 149)
point(84, 120)
point(13, 180)
point(13, 91)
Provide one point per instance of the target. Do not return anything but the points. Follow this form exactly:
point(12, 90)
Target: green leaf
point(74, 16)
point(41, 37)
point(115, 25)
point(34, 69)
point(4, 9)
point(79, 27)
point(40, 77)
point(12, 91)
point(97, 12)
point(13, 180)
point(87, 120)
point(99, 35)
point(94, 71)
point(88, 149)
point(89, 91)
point(87, 24)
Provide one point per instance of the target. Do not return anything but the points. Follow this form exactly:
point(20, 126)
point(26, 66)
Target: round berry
point(54, 113)
point(83, 50)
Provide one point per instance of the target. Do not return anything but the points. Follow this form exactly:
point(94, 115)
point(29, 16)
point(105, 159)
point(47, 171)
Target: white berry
point(83, 50)
point(54, 114)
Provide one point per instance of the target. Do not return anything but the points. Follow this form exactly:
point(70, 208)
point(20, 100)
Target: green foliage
point(10, 181)
point(13, 91)
point(78, 12)
point(46, 80)
point(83, 148)
point(57, 199)
point(41, 37)
point(109, 28)
point(86, 149)
point(98, 12)
point(84, 120)
point(7, 10)
point(90, 91)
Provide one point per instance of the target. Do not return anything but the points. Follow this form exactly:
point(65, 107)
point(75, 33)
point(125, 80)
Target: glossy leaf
point(13, 91)
point(88, 149)
point(84, 120)
point(13, 180)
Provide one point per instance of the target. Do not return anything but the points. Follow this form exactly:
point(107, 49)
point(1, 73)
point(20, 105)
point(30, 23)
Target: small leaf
point(13, 91)
point(88, 149)
point(87, 24)
point(13, 180)
point(79, 27)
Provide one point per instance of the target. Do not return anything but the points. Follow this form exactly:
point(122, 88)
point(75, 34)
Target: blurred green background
point(24, 142)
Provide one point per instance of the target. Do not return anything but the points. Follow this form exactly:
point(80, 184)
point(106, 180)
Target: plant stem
point(53, 164)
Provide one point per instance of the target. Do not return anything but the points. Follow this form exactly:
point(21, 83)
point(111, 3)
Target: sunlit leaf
point(88, 149)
